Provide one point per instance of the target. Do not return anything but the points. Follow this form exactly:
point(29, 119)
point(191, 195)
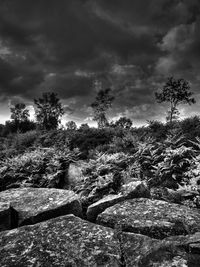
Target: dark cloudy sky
point(128, 45)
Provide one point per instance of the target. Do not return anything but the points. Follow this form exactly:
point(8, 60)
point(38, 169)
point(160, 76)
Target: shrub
point(39, 168)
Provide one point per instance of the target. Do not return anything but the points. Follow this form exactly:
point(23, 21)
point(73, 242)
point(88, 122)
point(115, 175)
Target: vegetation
point(163, 155)
point(175, 92)
point(100, 106)
point(48, 111)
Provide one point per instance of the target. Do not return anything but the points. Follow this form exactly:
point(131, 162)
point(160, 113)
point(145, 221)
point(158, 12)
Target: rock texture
point(131, 190)
point(99, 206)
point(64, 241)
point(39, 204)
point(75, 174)
point(8, 216)
point(135, 189)
point(154, 218)
point(182, 251)
point(71, 241)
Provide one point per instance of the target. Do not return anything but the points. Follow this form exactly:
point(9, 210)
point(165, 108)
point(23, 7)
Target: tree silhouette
point(19, 114)
point(71, 125)
point(124, 122)
point(102, 103)
point(48, 111)
point(175, 92)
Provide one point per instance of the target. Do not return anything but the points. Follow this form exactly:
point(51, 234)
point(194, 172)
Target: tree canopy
point(48, 110)
point(100, 106)
point(175, 92)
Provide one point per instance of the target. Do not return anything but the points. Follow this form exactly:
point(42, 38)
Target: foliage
point(190, 127)
point(123, 122)
point(39, 168)
point(89, 139)
point(19, 113)
point(100, 106)
point(165, 163)
point(103, 175)
point(48, 110)
point(71, 125)
point(175, 92)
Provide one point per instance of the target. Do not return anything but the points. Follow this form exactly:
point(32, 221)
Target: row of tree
point(49, 109)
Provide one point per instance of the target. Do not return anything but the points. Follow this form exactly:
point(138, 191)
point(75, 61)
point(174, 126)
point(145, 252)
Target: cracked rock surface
point(154, 218)
point(39, 204)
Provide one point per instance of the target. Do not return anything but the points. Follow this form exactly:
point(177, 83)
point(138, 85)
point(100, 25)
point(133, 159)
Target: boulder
point(134, 247)
point(63, 241)
point(135, 189)
point(99, 206)
point(8, 216)
point(154, 218)
point(39, 204)
point(131, 190)
point(70, 241)
point(75, 175)
point(180, 251)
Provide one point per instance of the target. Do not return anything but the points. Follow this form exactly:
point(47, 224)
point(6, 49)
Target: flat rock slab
point(154, 218)
point(8, 217)
point(99, 206)
point(39, 204)
point(71, 241)
point(63, 241)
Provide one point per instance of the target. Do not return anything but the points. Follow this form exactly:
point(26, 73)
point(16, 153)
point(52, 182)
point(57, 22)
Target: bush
point(38, 168)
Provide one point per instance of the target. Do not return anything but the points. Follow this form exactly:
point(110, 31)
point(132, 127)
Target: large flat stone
point(63, 241)
point(8, 217)
point(71, 241)
point(39, 204)
point(99, 206)
point(154, 218)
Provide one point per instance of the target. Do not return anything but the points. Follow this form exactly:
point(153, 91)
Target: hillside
point(129, 200)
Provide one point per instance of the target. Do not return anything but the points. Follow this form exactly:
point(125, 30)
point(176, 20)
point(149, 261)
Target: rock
point(166, 194)
point(39, 204)
point(175, 251)
point(134, 247)
point(130, 190)
point(8, 217)
point(63, 241)
point(75, 173)
point(99, 206)
point(154, 218)
point(135, 189)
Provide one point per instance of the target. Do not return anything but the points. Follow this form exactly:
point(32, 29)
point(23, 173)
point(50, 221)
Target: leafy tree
point(84, 127)
point(19, 112)
point(48, 111)
point(100, 106)
point(19, 115)
point(124, 122)
point(175, 92)
point(71, 125)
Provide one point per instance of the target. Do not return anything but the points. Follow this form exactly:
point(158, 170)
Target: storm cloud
point(130, 46)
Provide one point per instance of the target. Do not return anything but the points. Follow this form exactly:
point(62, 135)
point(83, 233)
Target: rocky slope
point(48, 227)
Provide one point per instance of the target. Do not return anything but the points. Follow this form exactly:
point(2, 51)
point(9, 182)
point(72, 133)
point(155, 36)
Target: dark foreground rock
point(73, 242)
point(39, 204)
point(64, 241)
point(154, 218)
point(8, 217)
